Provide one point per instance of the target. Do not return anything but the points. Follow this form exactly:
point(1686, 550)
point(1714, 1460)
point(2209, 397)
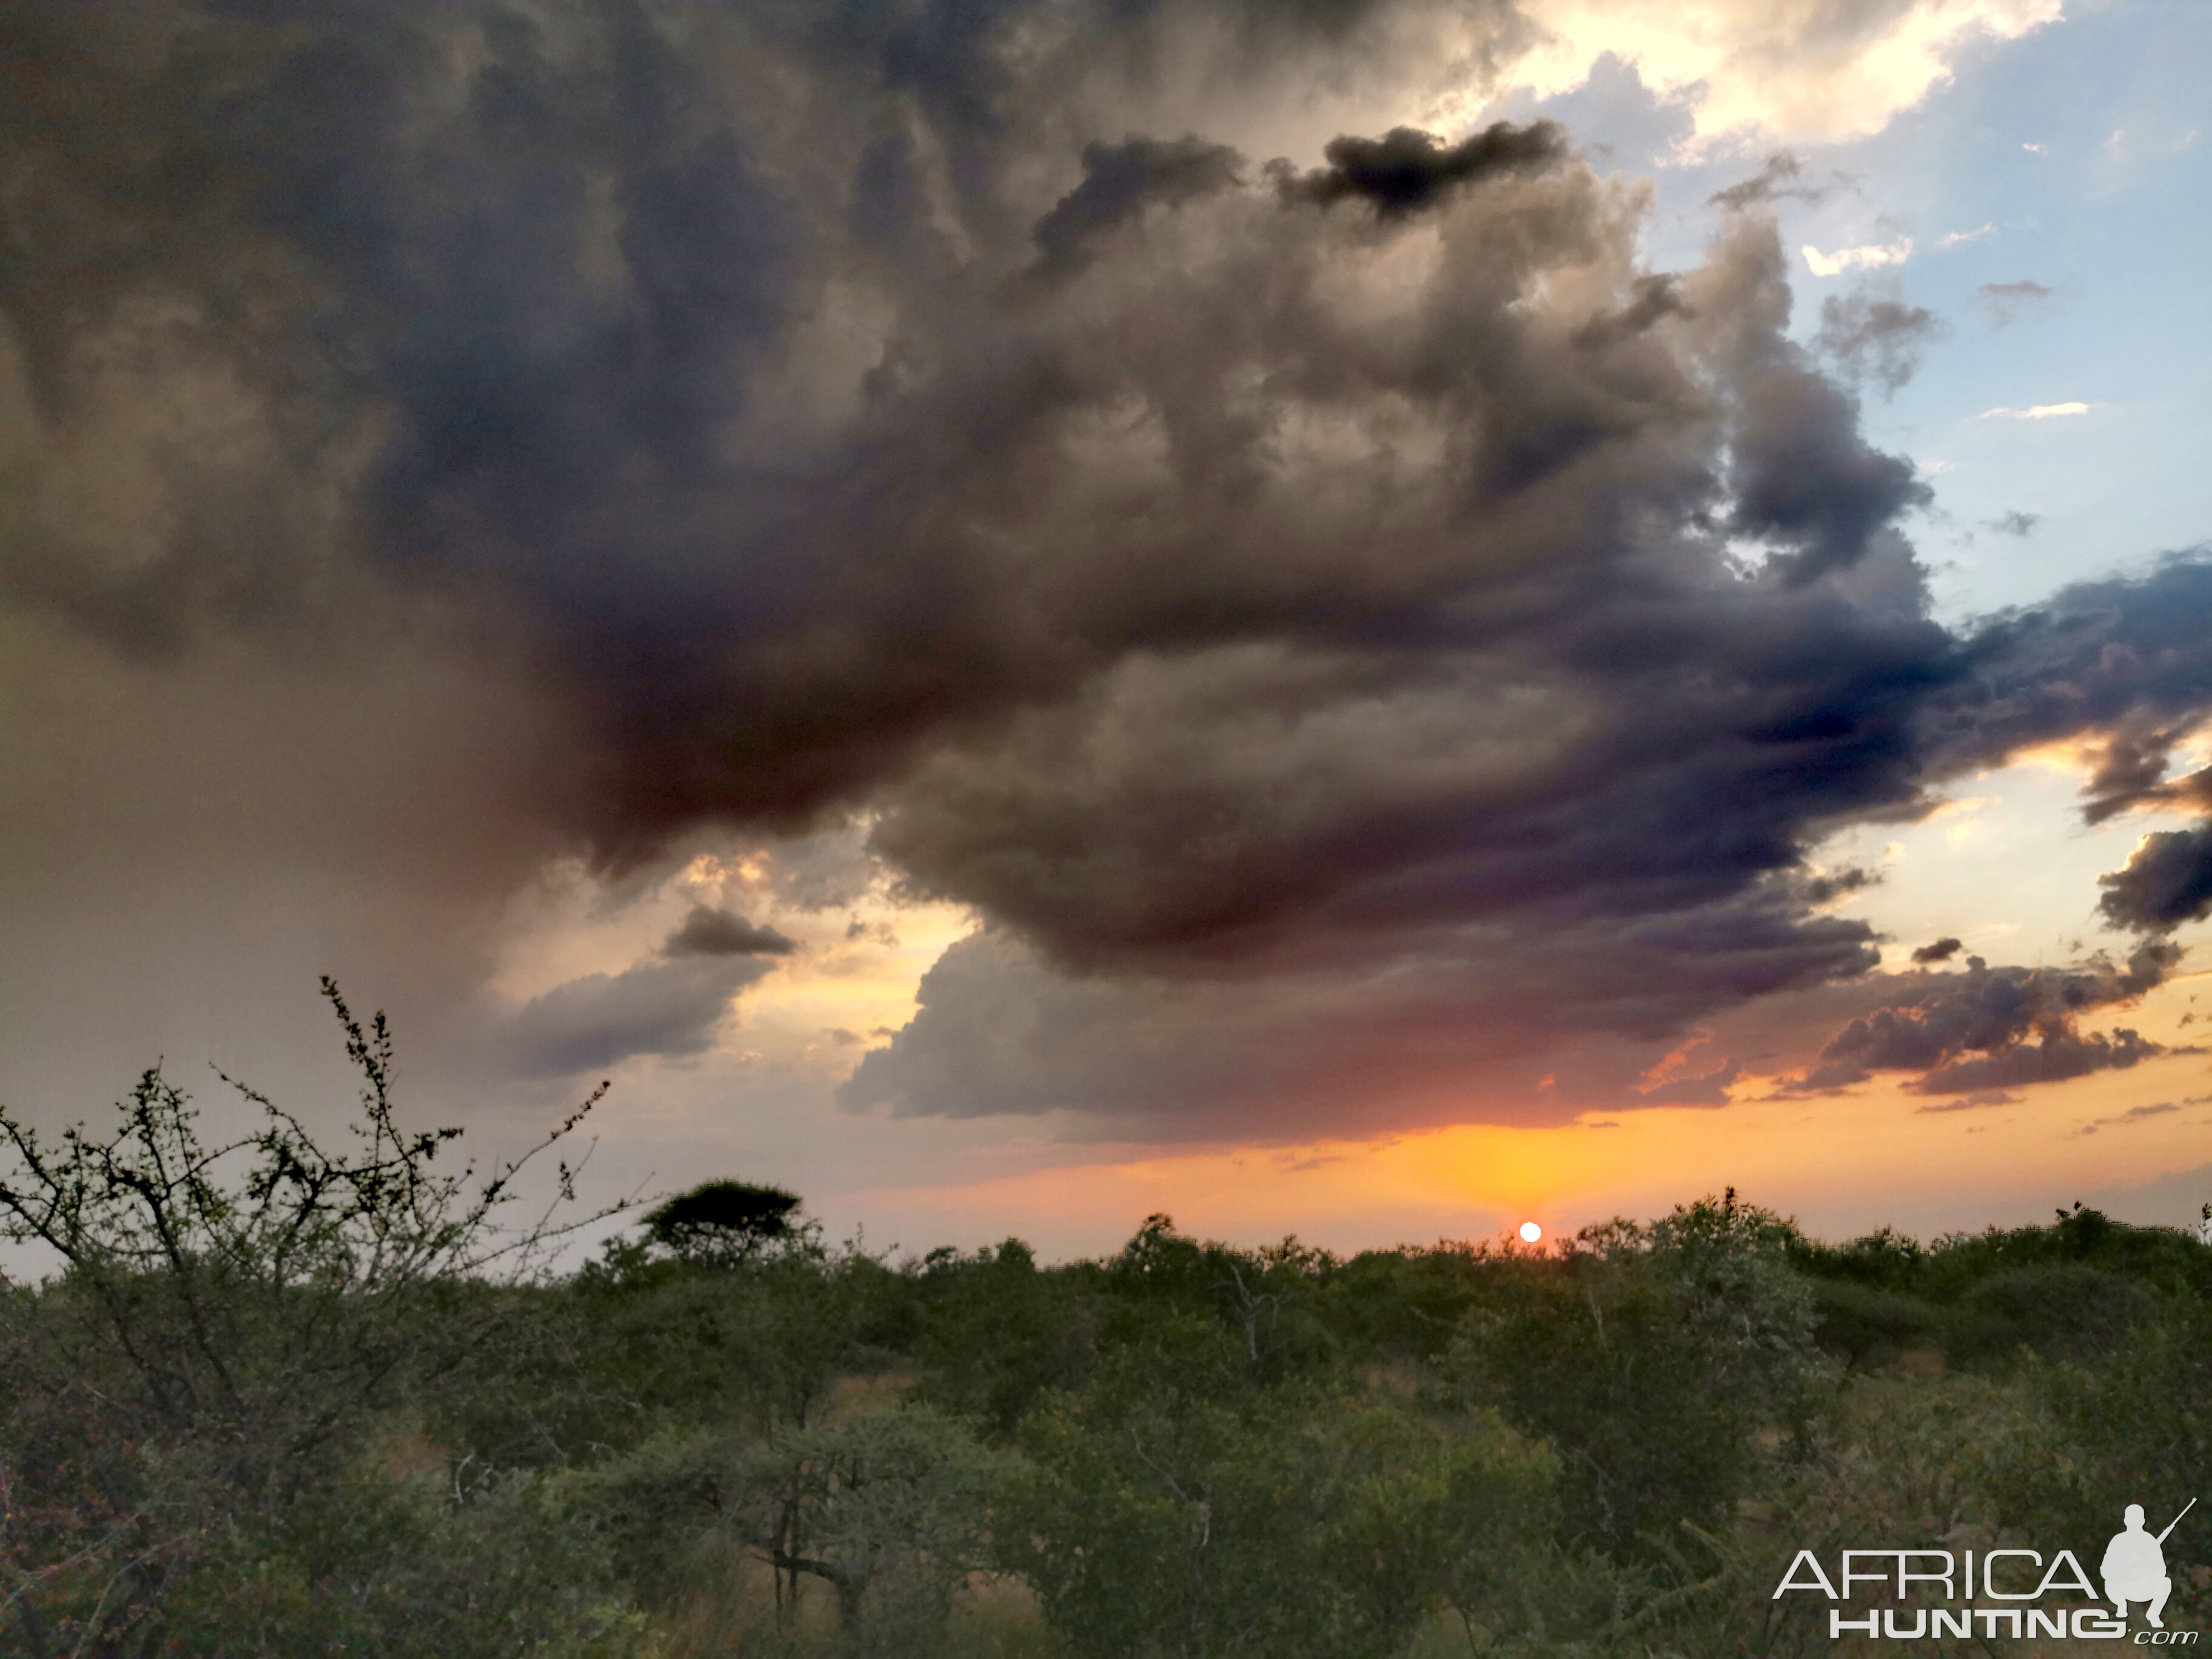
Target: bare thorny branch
point(258, 1300)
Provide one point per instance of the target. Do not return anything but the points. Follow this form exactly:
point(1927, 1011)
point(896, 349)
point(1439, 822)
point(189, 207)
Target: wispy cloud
point(2133, 1114)
point(1872, 257)
point(2003, 300)
point(1956, 238)
point(1973, 1103)
point(2037, 150)
point(2036, 412)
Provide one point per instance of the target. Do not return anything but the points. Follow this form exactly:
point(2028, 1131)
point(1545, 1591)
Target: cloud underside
point(669, 1009)
point(1354, 632)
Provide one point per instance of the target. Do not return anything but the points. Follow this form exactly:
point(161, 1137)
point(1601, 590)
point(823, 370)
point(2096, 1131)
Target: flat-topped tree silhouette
point(718, 1222)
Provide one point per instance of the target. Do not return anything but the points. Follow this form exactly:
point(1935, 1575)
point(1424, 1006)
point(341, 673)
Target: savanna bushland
point(275, 1398)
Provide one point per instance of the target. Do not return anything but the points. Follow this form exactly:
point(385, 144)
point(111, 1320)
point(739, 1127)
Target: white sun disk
point(1530, 1232)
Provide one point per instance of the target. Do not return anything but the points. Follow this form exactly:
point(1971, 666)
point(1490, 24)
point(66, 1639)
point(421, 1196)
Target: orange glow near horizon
point(1843, 1164)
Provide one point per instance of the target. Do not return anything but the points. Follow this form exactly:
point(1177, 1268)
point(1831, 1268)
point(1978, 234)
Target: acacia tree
point(725, 1223)
point(227, 1325)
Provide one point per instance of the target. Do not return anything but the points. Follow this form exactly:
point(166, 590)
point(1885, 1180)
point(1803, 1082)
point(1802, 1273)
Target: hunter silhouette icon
point(2133, 1568)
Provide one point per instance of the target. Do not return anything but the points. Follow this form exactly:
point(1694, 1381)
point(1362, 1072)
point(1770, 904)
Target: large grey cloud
point(1358, 582)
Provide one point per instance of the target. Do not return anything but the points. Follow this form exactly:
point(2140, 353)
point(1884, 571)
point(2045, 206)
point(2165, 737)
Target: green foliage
point(227, 1326)
point(280, 1401)
point(373, 1567)
point(631, 1345)
point(995, 1333)
point(1271, 1299)
point(889, 1511)
point(1648, 1358)
point(1984, 1299)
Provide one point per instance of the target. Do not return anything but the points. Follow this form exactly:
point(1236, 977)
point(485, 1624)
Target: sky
point(1370, 618)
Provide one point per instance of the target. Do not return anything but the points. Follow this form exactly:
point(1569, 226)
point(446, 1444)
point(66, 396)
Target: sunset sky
point(1364, 617)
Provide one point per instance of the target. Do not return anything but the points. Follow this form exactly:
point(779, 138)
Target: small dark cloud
point(1837, 884)
point(2167, 880)
point(1710, 1089)
point(1120, 181)
point(2055, 1056)
point(2135, 1114)
point(1973, 1103)
point(2130, 772)
point(2015, 523)
point(710, 933)
point(1650, 299)
point(2003, 302)
point(1405, 169)
point(660, 1008)
point(1876, 339)
point(1778, 180)
point(1942, 951)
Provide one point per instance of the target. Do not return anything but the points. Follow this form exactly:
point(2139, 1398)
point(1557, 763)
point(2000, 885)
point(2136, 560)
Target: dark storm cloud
point(1499, 1024)
point(710, 933)
point(1406, 170)
point(2004, 301)
point(1384, 650)
point(1942, 951)
point(1876, 339)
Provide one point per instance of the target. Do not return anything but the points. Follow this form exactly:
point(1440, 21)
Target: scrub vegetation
point(278, 1400)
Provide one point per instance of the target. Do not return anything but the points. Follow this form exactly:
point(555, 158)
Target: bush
point(890, 1512)
point(1648, 1358)
point(1176, 1507)
point(228, 1328)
